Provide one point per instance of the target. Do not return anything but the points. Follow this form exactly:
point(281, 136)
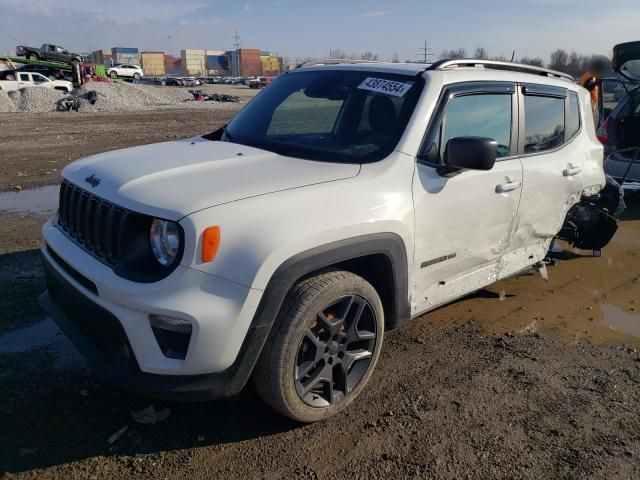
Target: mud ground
point(36, 147)
point(526, 379)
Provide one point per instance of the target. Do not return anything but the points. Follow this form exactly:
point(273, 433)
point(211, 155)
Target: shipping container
point(249, 61)
point(129, 50)
point(217, 64)
point(152, 63)
point(126, 55)
point(194, 61)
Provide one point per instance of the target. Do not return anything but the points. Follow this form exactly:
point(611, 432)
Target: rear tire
point(32, 56)
point(10, 77)
point(324, 347)
point(113, 74)
point(136, 76)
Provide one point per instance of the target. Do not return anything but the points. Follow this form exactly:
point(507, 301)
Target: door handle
point(571, 170)
point(507, 187)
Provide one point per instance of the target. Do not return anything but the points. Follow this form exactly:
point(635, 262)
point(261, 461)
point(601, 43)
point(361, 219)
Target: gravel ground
point(34, 99)
point(6, 103)
point(120, 97)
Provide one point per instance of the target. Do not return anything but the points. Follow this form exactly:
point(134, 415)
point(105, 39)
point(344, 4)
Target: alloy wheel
point(336, 351)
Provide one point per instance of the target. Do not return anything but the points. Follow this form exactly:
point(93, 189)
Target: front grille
point(92, 222)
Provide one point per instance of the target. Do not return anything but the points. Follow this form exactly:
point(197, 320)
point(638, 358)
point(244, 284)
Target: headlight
point(164, 238)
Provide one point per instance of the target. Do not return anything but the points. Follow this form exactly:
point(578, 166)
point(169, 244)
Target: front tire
point(324, 347)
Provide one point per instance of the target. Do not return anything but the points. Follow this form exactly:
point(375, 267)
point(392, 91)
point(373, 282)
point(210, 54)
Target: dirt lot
point(527, 379)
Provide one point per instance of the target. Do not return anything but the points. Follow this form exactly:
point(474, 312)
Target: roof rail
point(334, 61)
point(498, 65)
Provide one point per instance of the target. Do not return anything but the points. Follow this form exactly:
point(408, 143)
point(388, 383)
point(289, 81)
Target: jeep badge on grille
point(92, 180)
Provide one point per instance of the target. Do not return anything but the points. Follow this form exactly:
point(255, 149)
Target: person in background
point(597, 67)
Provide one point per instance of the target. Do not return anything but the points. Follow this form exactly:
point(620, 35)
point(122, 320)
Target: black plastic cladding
point(99, 228)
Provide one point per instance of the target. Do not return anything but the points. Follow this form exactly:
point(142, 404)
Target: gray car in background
point(619, 131)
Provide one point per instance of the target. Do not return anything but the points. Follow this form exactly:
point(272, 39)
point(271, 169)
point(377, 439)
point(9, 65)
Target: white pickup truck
point(33, 79)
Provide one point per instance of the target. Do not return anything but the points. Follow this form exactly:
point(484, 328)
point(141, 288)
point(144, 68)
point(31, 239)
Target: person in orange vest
point(598, 65)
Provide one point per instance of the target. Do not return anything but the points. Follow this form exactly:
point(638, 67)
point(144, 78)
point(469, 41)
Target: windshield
point(330, 115)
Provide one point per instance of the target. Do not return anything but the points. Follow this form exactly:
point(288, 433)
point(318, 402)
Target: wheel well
point(378, 271)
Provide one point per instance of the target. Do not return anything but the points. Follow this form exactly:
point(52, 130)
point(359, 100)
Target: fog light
point(172, 334)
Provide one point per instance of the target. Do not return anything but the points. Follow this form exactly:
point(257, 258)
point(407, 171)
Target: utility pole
point(425, 52)
point(237, 45)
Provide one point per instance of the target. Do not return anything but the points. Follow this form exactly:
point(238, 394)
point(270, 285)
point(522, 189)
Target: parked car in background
point(50, 73)
point(34, 79)
point(149, 81)
point(47, 51)
point(191, 82)
point(173, 82)
point(260, 82)
point(125, 71)
point(620, 130)
point(341, 202)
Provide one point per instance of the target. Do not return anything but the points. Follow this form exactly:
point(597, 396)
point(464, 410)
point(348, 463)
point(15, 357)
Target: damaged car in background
point(344, 200)
point(620, 130)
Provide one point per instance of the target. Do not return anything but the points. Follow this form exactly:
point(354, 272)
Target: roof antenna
point(513, 55)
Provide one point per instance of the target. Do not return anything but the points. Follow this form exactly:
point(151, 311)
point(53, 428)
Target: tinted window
point(544, 123)
point(573, 115)
point(486, 115)
point(24, 77)
point(330, 115)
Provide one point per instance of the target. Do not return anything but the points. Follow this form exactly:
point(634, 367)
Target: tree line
point(574, 63)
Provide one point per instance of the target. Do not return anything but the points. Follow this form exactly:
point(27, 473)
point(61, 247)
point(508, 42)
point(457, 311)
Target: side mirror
point(471, 153)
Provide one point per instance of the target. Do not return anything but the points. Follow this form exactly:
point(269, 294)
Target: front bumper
point(107, 319)
point(99, 337)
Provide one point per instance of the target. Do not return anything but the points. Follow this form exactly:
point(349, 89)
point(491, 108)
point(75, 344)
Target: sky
point(311, 28)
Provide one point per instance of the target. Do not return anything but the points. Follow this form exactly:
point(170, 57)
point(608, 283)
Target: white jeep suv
point(342, 201)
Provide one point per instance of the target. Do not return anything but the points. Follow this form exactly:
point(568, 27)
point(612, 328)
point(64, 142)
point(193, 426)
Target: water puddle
point(620, 320)
point(38, 201)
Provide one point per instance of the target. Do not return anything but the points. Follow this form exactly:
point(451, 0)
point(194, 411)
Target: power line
point(426, 52)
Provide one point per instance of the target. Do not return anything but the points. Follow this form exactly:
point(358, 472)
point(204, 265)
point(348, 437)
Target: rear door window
point(544, 123)
point(24, 77)
point(573, 115)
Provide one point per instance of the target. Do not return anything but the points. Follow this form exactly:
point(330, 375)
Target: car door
point(24, 80)
point(50, 52)
point(59, 54)
point(38, 79)
point(464, 219)
point(553, 156)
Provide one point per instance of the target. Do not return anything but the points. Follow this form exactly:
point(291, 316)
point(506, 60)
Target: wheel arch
point(379, 258)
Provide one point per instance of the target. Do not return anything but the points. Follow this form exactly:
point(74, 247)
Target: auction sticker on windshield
point(381, 85)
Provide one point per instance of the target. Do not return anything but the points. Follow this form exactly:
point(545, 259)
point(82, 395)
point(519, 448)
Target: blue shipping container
point(124, 50)
point(217, 62)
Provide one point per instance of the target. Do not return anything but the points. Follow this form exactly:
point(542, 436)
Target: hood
point(173, 179)
point(626, 60)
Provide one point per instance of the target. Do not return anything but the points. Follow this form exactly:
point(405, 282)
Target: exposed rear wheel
point(327, 341)
point(136, 76)
point(113, 74)
point(32, 56)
